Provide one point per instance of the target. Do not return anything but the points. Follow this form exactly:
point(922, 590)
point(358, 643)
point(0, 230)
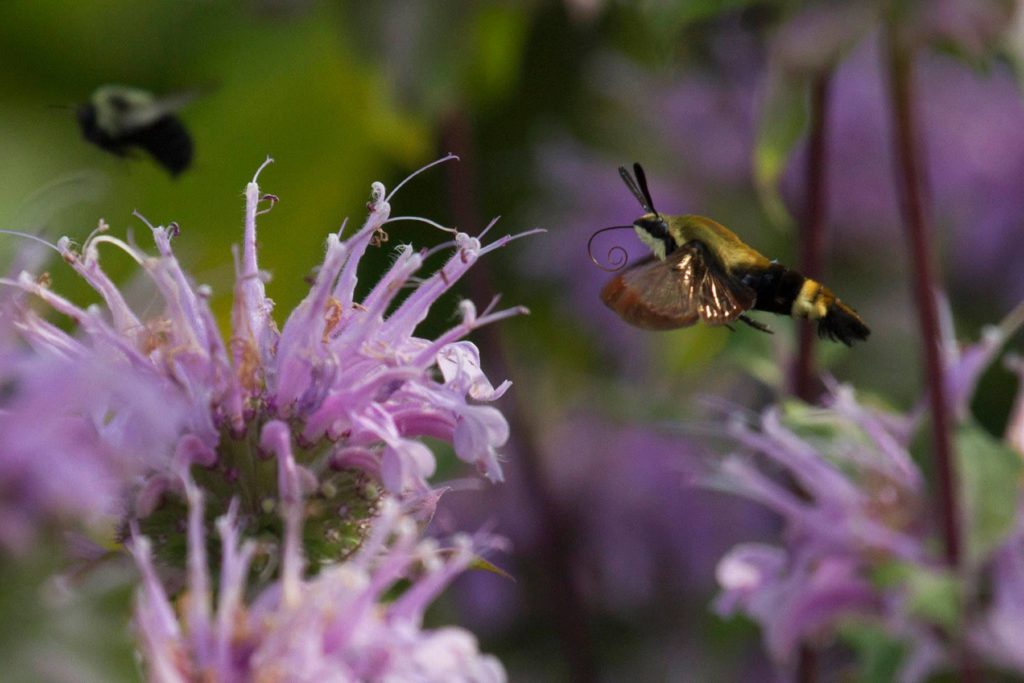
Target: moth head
point(652, 227)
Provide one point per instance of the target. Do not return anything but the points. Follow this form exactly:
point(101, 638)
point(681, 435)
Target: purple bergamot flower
point(337, 627)
point(107, 415)
point(860, 556)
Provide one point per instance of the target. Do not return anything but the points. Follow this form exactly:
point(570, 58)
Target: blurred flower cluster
point(305, 440)
point(335, 627)
point(860, 559)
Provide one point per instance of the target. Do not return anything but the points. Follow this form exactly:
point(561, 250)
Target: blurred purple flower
point(89, 411)
point(650, 536)
point(75, 429)
point(859, 539)
point(999, 633)
point(792, 597)
point(973, 27)
point(339, 626)
point(639, 537)
point(854, 499)
point(1015, 425)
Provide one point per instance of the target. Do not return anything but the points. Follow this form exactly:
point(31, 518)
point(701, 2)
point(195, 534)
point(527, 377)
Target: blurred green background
point(614, 558)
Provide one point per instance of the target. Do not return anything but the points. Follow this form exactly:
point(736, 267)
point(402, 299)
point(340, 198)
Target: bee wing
point(119, 110)
point(687, 286)
point(143, 116)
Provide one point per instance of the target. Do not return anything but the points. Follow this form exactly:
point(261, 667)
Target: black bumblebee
point(118, 119)
point(701, 271)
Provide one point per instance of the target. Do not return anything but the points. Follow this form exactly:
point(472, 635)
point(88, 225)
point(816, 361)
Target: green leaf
point(934, 596)
point(990, 474)
point(783, 119)
point(674, 16)
point(484, 565)
point(71, 629)
point(933, 593)
point(497, 35)
point(812, 41)
point(814, 423)
point(879, 654)
point(684, 352)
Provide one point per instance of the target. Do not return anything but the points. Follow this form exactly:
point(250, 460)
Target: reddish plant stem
point(567, 607)
point(806, 384)
point(908, 182)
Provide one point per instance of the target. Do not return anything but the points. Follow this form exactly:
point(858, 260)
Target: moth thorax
point(655, 244)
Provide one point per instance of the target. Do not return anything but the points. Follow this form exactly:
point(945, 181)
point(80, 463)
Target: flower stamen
point(420, 219)
point(415, 173)
point(33, 238)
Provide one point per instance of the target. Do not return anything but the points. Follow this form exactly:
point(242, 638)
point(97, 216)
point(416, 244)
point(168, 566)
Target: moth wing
point(677, 292)
point(721, 298)
point(651, 295)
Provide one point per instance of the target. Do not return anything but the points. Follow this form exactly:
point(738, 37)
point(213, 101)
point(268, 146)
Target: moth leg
point(756, 325)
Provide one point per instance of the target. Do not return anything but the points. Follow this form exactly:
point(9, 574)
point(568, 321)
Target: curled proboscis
point(617, 256)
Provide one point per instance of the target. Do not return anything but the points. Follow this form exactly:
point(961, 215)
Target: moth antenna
point(641, 178)
point(639, 189)
point(633, 187)
point(617, 256)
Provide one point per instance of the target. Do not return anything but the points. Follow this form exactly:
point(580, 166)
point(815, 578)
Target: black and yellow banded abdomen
point(784, 291)
point(777, 287)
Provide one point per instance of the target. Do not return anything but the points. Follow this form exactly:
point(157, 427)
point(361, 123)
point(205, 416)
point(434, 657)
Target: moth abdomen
point(777, 288)
point(785, 291)
point(841, 323)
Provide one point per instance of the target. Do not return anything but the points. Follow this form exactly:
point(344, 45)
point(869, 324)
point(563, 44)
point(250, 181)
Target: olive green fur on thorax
point(733, 254)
